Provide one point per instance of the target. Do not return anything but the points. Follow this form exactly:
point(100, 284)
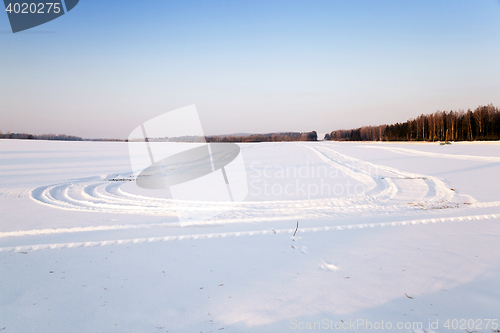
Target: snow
point(392, 232)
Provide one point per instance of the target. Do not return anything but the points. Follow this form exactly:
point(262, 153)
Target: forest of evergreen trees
point(481, 124)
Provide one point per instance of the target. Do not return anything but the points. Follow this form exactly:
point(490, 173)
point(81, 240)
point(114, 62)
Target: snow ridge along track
point(413, 152)
point(386, 189)
point(55, 246)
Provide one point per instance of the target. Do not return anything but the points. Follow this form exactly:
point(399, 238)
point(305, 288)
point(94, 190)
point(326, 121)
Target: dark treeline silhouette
point(481, 124)
point(271, 137)
point(26, 136)
point(185, 138)
point(106, 140)
point(62, 137)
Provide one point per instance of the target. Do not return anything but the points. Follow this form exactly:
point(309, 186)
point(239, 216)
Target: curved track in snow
point(385, 190)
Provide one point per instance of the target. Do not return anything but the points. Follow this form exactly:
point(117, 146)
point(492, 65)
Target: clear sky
point(249, 66)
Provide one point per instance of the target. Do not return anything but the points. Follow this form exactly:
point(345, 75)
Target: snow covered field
point(390, 236)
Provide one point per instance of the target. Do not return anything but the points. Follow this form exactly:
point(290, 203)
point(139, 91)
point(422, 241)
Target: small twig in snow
point(296, 229)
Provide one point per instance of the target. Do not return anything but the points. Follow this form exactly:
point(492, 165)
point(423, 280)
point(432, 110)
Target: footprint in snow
point(328, 267)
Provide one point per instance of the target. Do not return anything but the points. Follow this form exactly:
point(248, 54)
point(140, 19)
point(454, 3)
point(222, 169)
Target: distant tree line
point(481, 124)
point(185, 138)
point(26, 136)
point(63, 137)
point(271, 137)
point(106, 140)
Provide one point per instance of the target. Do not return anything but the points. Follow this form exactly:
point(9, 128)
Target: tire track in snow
point(413, 152)
point(75, 197)
point(437, 190)
point(58, 246)
point(395, 191)
point(12, 193)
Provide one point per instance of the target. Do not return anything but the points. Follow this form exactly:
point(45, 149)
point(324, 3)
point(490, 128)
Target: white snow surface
point(331, 237)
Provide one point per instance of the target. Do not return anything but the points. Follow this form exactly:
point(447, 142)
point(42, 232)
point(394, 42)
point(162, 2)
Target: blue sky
point(253, 66)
